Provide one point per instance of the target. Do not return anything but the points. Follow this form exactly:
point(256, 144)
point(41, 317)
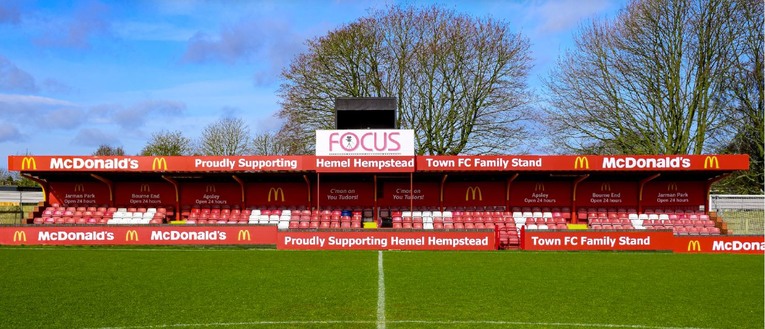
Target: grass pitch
point(241, 288)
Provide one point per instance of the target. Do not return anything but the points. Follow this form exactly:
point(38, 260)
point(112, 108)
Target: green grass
point(241, 288)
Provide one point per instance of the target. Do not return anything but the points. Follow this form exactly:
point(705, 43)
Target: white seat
point(537, 214)
point(417, 214)
point(633, 216)
point(255, 212)
point(283, 225)
point(427, 226)
point(517, 214)
point(643, 216)
point(653, 216)
point(437, 214)
point(531, 227)
point(527, 214)
point(447, 214)
point(664, 217)
point(547, 214)
point(542, 227)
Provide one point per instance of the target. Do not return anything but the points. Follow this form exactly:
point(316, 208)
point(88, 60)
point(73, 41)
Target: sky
point(78, 74)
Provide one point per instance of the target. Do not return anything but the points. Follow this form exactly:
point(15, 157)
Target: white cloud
point(15, 79)
point(94, 137)
point(9, 132)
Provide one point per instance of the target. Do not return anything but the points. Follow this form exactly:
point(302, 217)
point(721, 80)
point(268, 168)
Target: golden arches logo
point(539, 187)
point(79, 188)
point(471, 192)
point(131, 235)
point(145, 188)
point(276, 191)
point(159, 164)
point(210, 188)
point(605, 187)
point(28, 163)
point(244, 235)
point(672, 187)
point(711, 162)
point(694, 245)
point(19, 236)
point(581, 163)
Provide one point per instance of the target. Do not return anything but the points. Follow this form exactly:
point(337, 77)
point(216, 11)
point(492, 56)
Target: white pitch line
point(380, 291)
point(423, 322)
point(551, 324)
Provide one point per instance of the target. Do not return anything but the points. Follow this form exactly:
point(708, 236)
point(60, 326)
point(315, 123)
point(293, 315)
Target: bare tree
point(459, 80)
point(168, 143)
point(269, 143)
point(108, 150)
point(227, 136)
point(647, 82)
point(745, 116)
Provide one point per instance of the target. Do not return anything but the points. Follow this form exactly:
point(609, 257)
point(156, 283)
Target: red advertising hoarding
point(674, 193)
point(211, 194)
point(138, 235)
point(607, 194)
point(540, 194)
point(144, 194)
point(359, 164)
point(381, 163)
point(478, 193)
point(729, 244)
point(346, 194)
point(399, 194)
point(597, 240)
point(583, 163)
point(79, 193)
point(156, 163)
point(387, 240)
point(276, 194)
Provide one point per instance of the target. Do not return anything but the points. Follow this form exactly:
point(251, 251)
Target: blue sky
point(77, 74)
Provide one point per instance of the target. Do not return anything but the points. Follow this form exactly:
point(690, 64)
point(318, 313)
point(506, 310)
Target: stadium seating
point(506, 222)
point(79, 215)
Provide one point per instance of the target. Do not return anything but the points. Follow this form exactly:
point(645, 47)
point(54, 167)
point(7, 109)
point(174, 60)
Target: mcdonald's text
point(98, 163)
point(646, 163)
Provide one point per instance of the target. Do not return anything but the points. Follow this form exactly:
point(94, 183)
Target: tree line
point(662, 77)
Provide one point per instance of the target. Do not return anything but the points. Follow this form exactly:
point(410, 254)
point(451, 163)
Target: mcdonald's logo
point(711, 162)
point(28, 163)
point(539, 187)
point(159, 164)
point(244, 235)
point(276, 191)
point(20, 236)
point(581, 163)
point(145, 188)
point(79, 188)
point(694, 245)
point(210, 188)
point(672, 187)
point(605, 187)
point(131, 235)
point(471, 192)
